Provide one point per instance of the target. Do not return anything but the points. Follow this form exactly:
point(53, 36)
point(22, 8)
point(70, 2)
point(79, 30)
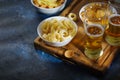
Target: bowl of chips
point(49, 6)
point(57, 31)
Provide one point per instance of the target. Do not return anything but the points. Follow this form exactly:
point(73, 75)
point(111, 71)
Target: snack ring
point(72, 16)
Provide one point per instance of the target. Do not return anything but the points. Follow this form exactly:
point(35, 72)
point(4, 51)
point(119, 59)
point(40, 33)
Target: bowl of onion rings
point(57, 31)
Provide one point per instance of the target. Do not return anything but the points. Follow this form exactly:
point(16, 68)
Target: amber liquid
point(93, 45)
point(94, 42)
point(113, 32)
point(114, 26)
point(98, 13)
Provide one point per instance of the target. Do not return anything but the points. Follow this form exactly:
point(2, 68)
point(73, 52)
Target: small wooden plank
point(110, 58)
point(77, 44)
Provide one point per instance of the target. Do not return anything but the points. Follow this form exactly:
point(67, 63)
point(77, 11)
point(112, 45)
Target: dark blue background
point(19, 60)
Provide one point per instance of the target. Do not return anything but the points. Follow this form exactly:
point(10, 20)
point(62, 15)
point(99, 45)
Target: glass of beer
point(94, 37)
point(113, 31)
point(97, 12)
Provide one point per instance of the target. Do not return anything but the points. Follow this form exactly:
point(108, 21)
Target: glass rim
point(100, 9)
point(96, 35)
point(111, 16)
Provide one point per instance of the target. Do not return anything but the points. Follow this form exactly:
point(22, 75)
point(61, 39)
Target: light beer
point(98, 13)
point(113, 31)
point(94, 37)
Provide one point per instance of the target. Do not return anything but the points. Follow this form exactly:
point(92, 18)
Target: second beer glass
point(113, 31)
point(94, 37)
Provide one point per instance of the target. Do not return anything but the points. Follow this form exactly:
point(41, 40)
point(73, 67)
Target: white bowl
point(57, 44)
point(50, 11)
point(82, 17)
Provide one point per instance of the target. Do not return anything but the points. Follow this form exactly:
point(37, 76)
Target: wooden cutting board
point(76, 45)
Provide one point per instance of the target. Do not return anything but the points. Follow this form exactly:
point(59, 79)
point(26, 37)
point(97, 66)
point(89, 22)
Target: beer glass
point(97, 13)
point(94, 37)
point(113, 31)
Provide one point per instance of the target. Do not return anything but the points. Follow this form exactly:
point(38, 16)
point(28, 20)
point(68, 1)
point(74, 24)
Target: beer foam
point(96, 35)
point(109, 19)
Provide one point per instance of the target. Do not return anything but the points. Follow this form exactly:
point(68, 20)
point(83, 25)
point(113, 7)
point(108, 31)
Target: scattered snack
point(72, 16)
point(48, 3)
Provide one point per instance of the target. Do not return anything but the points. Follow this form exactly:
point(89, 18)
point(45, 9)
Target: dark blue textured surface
point(18, 58)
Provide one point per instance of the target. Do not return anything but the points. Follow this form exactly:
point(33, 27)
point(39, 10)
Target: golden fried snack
point(48, 3)
point(57, 30)
point(72, 16)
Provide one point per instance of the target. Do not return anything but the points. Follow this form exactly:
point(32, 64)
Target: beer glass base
point(113, 41)
point(93, 54)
